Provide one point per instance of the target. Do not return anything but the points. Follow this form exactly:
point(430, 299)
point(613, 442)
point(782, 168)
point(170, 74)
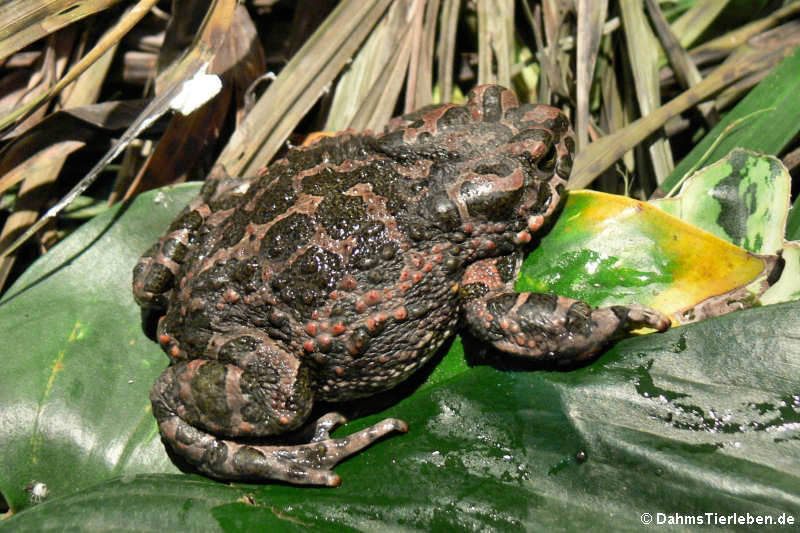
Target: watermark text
point(717, 519)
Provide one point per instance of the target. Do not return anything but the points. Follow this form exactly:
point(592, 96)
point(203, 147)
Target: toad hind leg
point(180, 425)
point(546, 326)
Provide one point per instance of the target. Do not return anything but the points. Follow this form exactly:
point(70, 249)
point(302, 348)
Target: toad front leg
point(267, 392)
point(155, 274)
point(543, 326)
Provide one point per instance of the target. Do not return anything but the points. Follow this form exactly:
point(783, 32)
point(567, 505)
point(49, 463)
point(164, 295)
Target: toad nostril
point(533, 134)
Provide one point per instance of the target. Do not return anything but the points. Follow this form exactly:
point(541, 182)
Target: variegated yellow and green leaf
point(607, 249)
point(743, 198)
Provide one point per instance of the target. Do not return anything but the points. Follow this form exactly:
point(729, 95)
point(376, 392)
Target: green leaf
point(777, 121)
point(703, 418)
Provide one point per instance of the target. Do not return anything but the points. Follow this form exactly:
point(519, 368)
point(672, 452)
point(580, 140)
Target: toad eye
point(548, 161)
point(531, 141)
point(499, 167)
point(455, 116)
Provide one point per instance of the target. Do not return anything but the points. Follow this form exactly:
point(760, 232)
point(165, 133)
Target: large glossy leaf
point(77, 369)
point(703, 418)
